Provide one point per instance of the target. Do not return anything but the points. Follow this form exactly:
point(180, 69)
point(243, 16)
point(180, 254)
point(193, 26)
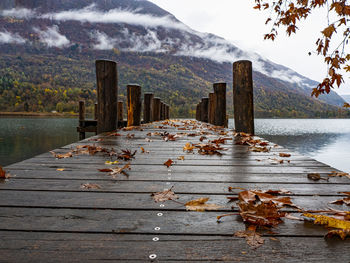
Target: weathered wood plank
point(180, 187)
point(77, 247)
point(137, 222)
point(133, 201)
point(182, 177)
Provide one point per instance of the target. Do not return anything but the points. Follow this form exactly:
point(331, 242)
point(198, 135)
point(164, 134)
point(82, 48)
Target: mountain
point(346, 98)
point(48, 48)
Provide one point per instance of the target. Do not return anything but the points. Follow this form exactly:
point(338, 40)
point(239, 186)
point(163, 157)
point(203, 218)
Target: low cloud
point(92, 15)
point(104, 42)
point(52, 38)
point(21, 13)
point(9, 38)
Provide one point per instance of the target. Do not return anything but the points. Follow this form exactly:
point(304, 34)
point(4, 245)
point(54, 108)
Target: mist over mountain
point(152, 48)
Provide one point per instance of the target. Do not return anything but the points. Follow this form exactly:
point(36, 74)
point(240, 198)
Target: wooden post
point(95, 112)
point(147, 107)
point(204, 109)
point(198, 112)
point(120, 113)
point(243, 96)
point(220, 104)
point(107, 94)
point(81, 119)
point(134, 104)
point(211, 108)
point(161, 111)
point(167, 112)
point(156, 109)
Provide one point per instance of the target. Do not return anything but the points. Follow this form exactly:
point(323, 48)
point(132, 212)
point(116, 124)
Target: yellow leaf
point(329, 221)
point(60, 169)
point(182, 158)
point(200, 205)
point(188, 147)
point(111, 163)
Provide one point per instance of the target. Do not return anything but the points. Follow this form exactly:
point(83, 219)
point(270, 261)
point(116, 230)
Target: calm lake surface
point(326, 140)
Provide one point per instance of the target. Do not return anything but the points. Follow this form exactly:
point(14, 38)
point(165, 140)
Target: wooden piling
point(134, 104)
point(243, 96)
point(120, 114)
point(81, 119)
point(220, 104)
point(95, 111)
point(161, 111)
point(204, 109)
point(167, 108)
point(156, 109)
point(211, 108)
point(107, 94)
point(148, 107)
point(200, 111)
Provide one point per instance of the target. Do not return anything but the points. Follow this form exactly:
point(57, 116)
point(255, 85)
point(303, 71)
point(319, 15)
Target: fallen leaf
point(182, 158)
point(4, 174)
point(166, 195)
point(62, 156)
point(188, 147)
point(126, 155)
point(258, 149)
point(60, 169)
point(340, 174)
point(111, 162)
point(345, 200)
point(253, 239)
point(117, 170)
point(342, 233)
point(200, 205)
point(284, 154)
point(168, 163)
point(316, 177)
point(105, 170)
point(143, 150)
point(90, 186)
point(328, 221)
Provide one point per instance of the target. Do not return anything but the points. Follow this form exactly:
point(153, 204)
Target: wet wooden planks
point(47, 216)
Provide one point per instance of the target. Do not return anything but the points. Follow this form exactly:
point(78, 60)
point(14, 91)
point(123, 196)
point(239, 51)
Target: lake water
point(326, 140)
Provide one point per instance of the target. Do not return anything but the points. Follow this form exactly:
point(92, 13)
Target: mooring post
point(220, 104)
point(134, 104)
point(107, 94)
point(95, 112)
point(81, 119)
point(147, 107)
point(161, 111)
point(211, 108)
point(200, 111)
point(156, 109)
point(167, 112)
point(204, 109)
point(120, 114)
point(243, 96)
point(197, 112)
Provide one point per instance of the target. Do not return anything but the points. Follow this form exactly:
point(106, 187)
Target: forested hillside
point(48, 49)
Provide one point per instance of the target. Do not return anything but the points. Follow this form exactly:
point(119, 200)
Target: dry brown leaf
point(4, 174)
point(168, 163)
point(166, 195)
point(253, 239)
point(182, 158)
point(62, 156)
point(284, 154)
point(258, 149)
point(126, 155)
point(90, 186)
point(316, 177)
point(200, 205)
point(143, 150)
point(345, 200)
point(340, 174)
point(117, 170)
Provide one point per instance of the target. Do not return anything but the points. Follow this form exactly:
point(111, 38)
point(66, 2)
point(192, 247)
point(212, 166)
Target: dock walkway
point(66, 210)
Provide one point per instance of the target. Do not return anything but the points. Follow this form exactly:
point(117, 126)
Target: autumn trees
point(333, 40)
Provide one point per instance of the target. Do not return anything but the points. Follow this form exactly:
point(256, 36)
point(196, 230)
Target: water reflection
point(326, 140)
point(22, 138)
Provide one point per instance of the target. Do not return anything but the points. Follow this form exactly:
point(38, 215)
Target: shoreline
point(36, 114)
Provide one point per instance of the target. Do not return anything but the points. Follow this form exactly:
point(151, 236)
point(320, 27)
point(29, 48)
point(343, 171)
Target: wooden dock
point(48, 216)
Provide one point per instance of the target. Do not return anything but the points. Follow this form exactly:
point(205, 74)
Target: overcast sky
point(236, 20)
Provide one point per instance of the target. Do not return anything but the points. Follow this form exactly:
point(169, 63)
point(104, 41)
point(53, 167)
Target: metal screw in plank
point(157, 228)
point(155, 239)
point(160, 214)
point(152, 256)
